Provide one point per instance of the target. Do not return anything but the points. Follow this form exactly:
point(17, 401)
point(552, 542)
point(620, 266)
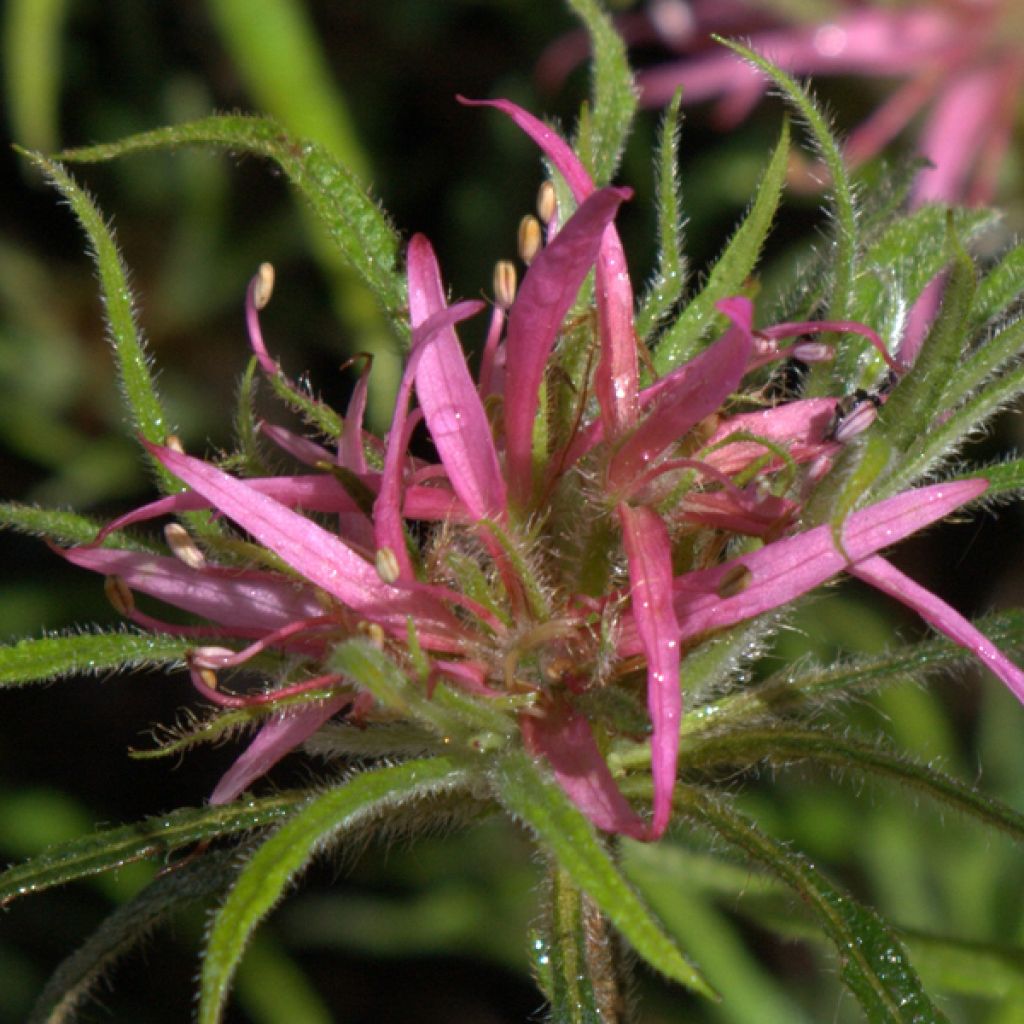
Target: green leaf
point(133, 362)
point(727, 277)
point(290, 849)
point(844, 270)
point(571, 840)
point(999, 288)
point(63, 654)
point(981, 969)
point(274, 45)
point(110, 848)
point(804, 686)
point(785, 745)
point(924, 392)
point(1004, 478)
point(872, 961)
point(33, 69)
point(994, 353)
point(670, 278)
point(603, 135)
point(126, 927)
point(359, 229)
point(65, 528)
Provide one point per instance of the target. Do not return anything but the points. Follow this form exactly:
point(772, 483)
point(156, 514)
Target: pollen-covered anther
point(183, 547)
point(736, 579)
point(530, 238)
point(209, 677)
point(373, 632)
point(813, 352)
point(173, 442)
point(119, 595)
point(388, 568)
point(263, 285)
point(505, 281)
point(547, 202)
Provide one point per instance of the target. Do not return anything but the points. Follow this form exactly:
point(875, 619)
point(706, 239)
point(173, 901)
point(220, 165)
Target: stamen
point(529, 238)
point(263, 285)
point(547, 202)
point(119, 595)
point(183, 547)
point(388, 568)
point(735, 580)
point(374, 632)
point(173, 442)
point(504, 283)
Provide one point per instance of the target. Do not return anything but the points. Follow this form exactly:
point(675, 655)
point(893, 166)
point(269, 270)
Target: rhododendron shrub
point(542, 590)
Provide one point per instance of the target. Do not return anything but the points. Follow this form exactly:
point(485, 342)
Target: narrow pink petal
point(350, 448)
point(649, 556)
point(282, 734)
point(887, 578)
point(954, 134)
point(387, 508)
point(686, 396)
point(800, 426)
point(319, 556)
point(786, 569)
point(554, 147)
point(298, 447)
point(235, 599)
point(564, 738)
point(617, 375)
point(545, 296)
point(450, 401)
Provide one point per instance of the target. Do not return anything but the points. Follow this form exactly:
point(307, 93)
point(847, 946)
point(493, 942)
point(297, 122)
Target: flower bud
point(183, 547)
point(529, 238)
point(504, 283)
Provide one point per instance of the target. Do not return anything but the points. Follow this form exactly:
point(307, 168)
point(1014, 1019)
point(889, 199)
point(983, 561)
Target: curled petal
point(649, 556)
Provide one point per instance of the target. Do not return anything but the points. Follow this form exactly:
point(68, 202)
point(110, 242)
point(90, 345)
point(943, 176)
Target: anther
point(529, 238)
point(388, 568)
point(547, 203)
point(734, 581)
point(263, 285)
point(209, 658)
point(209, 677)
point(504, 283)
point(374, 632)
point(173, 442)
point(183, 547)
point(119, 595)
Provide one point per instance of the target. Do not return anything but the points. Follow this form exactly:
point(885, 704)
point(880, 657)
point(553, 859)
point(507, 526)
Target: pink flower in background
point(956, 67)
point(577, 528)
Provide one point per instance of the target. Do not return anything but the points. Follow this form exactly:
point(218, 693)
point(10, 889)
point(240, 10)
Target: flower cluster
point(959, 62)
point(576, 528)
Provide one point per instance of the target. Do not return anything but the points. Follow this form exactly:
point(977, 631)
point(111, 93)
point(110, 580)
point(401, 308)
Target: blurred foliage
point(433, 932)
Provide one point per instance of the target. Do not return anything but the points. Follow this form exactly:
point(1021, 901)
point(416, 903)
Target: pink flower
point(960, 65)
point(573, 514)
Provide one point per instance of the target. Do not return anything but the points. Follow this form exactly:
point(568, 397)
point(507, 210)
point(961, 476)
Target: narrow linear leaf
point(985, 970)
point(33, 69)
point(72, 982)
point(999, 289)
point(727, 277)
point(36, 660)
point(356, 224)
point(614, 95)
point(872, 961)
point(993, 353)
point(133, 361)
point(670, 278)
point(782, 746)
point(571, 840)
point(845, 259)
point(1005, 479)
point(152, 837)
point(806, 685)
point(290, 849)
point(63, 527)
